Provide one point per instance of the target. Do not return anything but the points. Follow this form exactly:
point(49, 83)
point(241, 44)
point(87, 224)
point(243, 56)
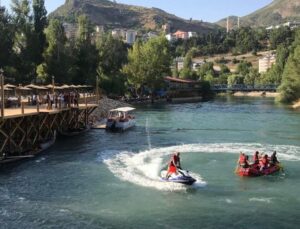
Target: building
point(166, 28)
point(181, 88)
point(170, 37)
point(290, 24)
point(181, 35)
point(197, 64)
point(70, 30)
point(179, 63)
point(266, 62)
point(118, 33)
point(130, 36)
point(192, 34)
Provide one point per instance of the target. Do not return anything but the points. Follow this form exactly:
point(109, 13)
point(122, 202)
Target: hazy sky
point(207, 10)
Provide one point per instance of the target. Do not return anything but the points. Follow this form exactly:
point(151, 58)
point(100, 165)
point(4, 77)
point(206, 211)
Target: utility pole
point(227, 24)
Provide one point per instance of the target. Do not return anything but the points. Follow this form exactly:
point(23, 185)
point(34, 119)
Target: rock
point(105, 105)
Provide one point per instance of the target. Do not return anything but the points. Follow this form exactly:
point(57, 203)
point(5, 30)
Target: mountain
point(277, 12)
point(113, 15)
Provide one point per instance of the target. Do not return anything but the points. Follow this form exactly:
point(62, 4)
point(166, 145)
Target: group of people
point(260, 161)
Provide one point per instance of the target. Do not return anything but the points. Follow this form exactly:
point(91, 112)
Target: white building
point(170, 37)
point(192, 34)
point(118, 33)
point(130, 36)
point(266, 62)
point(179, 63)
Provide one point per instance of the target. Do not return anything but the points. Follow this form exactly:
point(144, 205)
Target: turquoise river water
point(111, 180)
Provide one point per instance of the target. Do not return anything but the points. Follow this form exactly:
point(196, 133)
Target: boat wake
point(144, 168)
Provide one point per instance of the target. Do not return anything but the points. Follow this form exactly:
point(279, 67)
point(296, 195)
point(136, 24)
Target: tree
point(112, 56)
point(281, 35)
point(85, 53)
point(252, 77)
point(6, 40)
point(56, 58)
point(290, 87)
point(24, 41)
point(206, 68)
point(186, 72)
point(235, 79)
point(148, 63)
point(243, 68)
point(40, 23)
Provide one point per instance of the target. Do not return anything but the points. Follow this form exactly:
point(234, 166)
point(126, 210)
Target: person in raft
point(243, 160)
point(174, 164)
point(264, 163)
point(273, 159)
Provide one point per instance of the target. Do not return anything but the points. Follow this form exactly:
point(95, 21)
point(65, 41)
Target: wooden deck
point(32, 110)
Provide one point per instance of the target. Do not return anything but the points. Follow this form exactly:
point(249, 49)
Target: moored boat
point(120, 119)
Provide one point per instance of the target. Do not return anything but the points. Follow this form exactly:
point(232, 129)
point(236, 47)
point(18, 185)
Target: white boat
point(120, 119)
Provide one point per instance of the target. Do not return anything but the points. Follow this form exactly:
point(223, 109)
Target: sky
point(206, 10)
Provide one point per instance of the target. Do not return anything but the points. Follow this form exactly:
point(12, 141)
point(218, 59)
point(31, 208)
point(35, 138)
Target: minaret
point(227, 24)
point(238, 22)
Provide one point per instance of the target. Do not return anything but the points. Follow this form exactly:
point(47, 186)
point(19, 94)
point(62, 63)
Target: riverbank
point(257, 94)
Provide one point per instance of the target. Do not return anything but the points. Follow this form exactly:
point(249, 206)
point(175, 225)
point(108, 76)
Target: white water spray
point(143, 168)
point(148, 134)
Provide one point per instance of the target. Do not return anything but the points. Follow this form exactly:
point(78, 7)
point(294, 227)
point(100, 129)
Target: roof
point(123, 109)
point(177, 80)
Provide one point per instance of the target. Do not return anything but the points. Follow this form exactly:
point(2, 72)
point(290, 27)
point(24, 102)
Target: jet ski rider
point(174, 164)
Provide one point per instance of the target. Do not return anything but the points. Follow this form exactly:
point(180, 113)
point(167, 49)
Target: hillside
point(114, 15)
point(277, 12)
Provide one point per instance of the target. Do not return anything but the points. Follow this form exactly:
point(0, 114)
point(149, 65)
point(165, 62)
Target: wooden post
point(53, 84)
point(37, 104)
point(22, 107)
point(97, 90)
point(2, 93)
point(85, 101)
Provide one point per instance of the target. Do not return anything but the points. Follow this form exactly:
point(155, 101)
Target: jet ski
point(183, 177)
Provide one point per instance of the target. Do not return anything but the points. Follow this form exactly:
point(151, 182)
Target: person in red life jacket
point(243, 160)
point(264, 163)
point(174, 164)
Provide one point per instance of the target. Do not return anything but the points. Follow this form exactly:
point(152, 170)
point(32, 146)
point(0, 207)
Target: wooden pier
point(24, 131)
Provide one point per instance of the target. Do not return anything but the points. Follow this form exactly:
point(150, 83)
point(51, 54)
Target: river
point(111, 180)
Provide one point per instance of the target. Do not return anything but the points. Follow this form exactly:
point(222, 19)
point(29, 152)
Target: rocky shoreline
point(105, 105)
point(257, 94)
point(296, 104)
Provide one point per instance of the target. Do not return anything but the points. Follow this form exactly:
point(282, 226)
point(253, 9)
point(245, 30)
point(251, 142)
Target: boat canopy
point(123, 109)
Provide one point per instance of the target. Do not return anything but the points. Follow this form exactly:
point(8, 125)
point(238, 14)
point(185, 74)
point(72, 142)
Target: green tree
point(24, 41)
point(252, 77)
point(243, 68)
point(187, 72)
point(40, 23)
point(281, 35)
point(6, 40)
point(206, 68)
point(86, 54)
point(153, 63)
point(56, 59)
point(290, 87)
point(112, 56)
